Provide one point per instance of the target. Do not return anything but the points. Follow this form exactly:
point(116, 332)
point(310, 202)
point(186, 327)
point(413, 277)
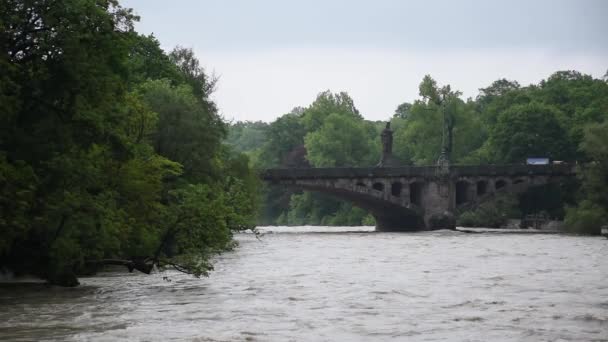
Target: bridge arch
point(416, 189)
point(500, 184)
point(396, 189)
point(463, 192)
point(388, 214)
point(378, 186)
point(481, 187)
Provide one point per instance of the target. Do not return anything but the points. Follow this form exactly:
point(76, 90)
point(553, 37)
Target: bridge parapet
point(513, 170)
point(419, 171)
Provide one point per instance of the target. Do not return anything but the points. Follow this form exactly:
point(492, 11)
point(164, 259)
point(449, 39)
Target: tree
point(325, 104)
point(81, 183)
point(581, 100)
point(283, 135)
point(247, 136)
point(65, 129)
point(186, 132)
point(289, 139)
point(148, 61)
point(403, 110)
point(530, 130)
point(340, 141)
point(201, 83)
point(419, 138)
point(592, 211)
point(429, 91)
point(497, 88)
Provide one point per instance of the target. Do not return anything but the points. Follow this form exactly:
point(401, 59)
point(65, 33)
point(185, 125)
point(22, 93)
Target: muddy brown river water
point(339, 284)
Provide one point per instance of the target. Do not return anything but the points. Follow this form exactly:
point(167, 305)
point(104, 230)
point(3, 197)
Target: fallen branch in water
point(144, 265)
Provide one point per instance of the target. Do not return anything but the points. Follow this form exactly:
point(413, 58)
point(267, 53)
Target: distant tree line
point(564, 118)
point(111, 151)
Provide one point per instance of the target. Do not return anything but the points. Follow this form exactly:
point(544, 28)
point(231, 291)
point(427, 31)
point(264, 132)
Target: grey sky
point(273, 55)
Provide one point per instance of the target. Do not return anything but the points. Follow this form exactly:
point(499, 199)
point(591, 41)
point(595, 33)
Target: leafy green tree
point(419, 137)
point(247, 136)
point(429, 90)
point(284, 135)
point(328, 103)
point(92, 173)
point(65, 130)
point(348, 215)
point(580, 98)
point(201, 83)
point(186, 131)
point(341, 141)
point(148, 61)
point(403, 110)
point(531, 130)
point(592, 211)
point(288, 144)
point(497, 90)
point(492, 214)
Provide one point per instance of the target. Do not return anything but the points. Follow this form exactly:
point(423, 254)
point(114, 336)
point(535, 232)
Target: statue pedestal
point(388, 161)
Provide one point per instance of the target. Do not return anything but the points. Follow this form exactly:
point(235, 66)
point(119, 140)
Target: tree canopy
point(111, 151)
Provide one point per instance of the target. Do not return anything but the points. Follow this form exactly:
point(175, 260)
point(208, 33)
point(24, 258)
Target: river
point(339, 284)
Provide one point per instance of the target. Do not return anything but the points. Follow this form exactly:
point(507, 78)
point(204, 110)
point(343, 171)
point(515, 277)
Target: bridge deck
point(420, 171)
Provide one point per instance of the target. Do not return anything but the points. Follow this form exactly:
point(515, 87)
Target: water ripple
point(339, 284)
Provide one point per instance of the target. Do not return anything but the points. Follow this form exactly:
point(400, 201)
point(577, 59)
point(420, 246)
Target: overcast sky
point(273, 55)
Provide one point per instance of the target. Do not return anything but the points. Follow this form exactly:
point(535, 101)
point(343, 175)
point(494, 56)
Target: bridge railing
point(513, 170)
point(418, 171)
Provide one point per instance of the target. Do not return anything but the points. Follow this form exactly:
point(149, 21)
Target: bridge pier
point(409, 223)
point(385, 222)
point(438, 204)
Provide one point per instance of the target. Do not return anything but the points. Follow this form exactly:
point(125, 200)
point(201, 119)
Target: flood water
point(329, 284)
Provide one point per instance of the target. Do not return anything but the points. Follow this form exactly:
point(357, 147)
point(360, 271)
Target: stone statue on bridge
point(387, 147)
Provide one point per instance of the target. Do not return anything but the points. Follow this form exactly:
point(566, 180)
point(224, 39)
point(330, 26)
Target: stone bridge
point(418, 198)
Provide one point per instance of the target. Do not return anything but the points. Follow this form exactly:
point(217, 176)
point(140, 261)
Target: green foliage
point(110, 149)
point(348, 215)
point(490, 214)
point(329, 132)
point(310, 208)
point(187, 132)
point(368, 220)
point(283, 136)
point(195, 76)
point(530, 130)
point(328, 103)
point(18, 185)
point(419, 137)
point(196, 228)
point(586, 218)
point(592, 211)
point(247, 136)
point(341, 141)
point(497, 97)
point(403, 110)
point(148, 61)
